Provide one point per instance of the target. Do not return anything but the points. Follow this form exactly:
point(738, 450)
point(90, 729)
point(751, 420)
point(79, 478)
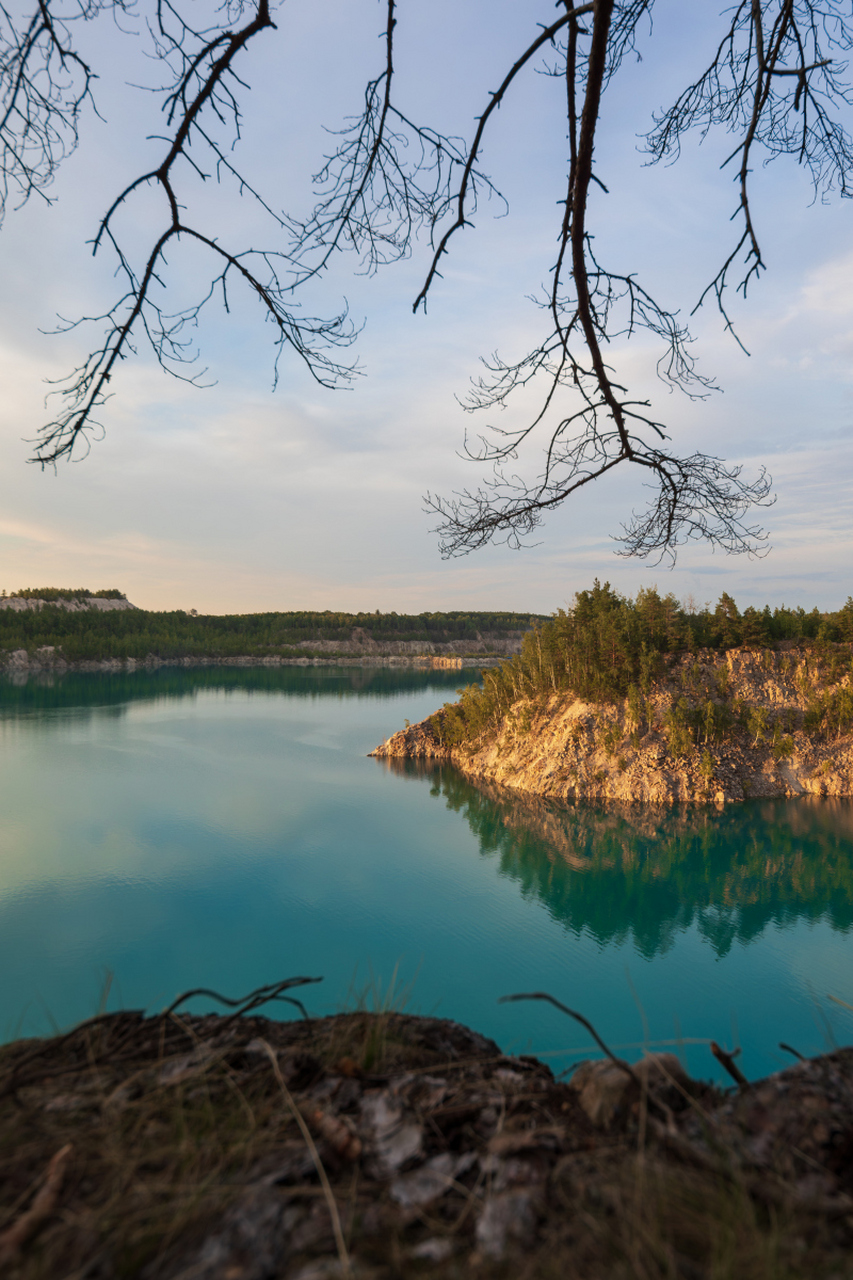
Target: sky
point(243, 498)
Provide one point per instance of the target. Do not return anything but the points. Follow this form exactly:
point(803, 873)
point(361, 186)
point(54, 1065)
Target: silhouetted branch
point(750, 88)
point(775, 82)
point(44, 85)
point(578, 1017)
point(203, 67)
point(388, 180)
point(698, 498)
point(267, 994)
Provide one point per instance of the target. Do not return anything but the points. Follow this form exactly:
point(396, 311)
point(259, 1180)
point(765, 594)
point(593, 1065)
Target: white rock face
point(82, 605)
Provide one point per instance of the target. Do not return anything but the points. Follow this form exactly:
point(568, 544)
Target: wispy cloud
point(236, 498)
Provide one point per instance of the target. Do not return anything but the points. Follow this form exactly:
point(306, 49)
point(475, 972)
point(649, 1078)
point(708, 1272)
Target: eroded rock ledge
point(566, 749)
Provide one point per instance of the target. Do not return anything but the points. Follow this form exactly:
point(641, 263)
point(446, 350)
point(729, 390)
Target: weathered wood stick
point(729, 1063)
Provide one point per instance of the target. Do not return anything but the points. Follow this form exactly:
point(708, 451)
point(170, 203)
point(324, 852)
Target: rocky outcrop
point(566, 749)
point(46, 658)
point(403, 1146)
point(81, 604)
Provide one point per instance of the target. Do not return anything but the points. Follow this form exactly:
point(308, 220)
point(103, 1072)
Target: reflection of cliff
point(29, 694)
point(650, 872)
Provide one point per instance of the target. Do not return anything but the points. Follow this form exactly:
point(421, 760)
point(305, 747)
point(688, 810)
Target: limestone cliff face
point(566, 749)
point(82, 604)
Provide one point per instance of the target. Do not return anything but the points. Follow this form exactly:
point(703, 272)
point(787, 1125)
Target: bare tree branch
point(201, 85)
point(697, 497)
point(775, 82)
point(388, 180)
point(44, 86)
point(748, 89)
point(468, 170)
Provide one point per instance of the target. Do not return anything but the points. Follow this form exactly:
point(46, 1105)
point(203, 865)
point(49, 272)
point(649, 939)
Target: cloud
point(236, 498)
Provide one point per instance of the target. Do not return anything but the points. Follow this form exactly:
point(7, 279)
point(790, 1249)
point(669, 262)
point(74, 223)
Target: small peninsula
point(644, 701)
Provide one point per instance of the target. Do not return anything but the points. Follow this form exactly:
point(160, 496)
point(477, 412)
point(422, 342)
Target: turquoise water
point(225, 828)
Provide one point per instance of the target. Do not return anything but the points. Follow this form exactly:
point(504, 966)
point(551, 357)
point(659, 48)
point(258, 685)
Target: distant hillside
point(33, 599)
point(50, 595)
point(93, 627)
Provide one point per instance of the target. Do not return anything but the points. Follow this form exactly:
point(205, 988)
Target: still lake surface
point(225, 828)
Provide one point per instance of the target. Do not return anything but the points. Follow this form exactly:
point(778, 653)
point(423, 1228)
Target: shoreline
point(563, 748)
point(17, 666)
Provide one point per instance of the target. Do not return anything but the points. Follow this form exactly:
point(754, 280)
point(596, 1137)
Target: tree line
point(51, 595)
point(138, 633)
point(608, 647)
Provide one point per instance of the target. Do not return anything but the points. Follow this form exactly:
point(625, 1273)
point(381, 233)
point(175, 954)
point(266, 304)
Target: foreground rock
point(566, 749)
point(386, 1146)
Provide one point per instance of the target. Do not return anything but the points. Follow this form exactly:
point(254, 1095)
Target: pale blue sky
point(241, 499)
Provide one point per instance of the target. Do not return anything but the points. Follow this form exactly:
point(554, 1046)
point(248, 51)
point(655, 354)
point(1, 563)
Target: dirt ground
point(379, 1146)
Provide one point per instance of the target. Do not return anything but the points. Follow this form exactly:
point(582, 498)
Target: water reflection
point(89, 693)
point(646, 873)
point(224, 826)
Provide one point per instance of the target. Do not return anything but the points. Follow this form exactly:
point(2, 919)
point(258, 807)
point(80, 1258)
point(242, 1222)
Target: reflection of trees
point(86, 690)
point(652, 872)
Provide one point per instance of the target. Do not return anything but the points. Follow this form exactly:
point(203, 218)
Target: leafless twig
point(585, 1022)
point(776, 81)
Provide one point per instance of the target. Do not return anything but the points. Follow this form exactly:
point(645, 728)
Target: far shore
point(24, 666)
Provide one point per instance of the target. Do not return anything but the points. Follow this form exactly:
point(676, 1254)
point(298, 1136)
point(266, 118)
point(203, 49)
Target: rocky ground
point(566, 749)
point(385, 1146)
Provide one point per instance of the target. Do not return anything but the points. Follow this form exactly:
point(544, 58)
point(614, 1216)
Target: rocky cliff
point(79, 604)
point(713, 727)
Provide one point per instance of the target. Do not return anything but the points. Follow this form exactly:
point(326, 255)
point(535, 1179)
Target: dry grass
point(195, 1155)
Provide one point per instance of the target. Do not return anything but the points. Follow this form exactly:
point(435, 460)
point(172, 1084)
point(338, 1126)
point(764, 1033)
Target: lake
point(223, 827)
